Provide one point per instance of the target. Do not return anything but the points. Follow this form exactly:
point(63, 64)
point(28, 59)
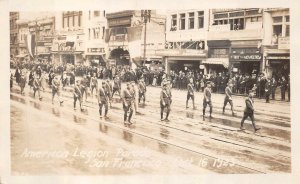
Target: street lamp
point(145, 16)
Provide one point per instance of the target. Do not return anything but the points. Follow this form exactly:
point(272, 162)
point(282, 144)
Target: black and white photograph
point(133, 92)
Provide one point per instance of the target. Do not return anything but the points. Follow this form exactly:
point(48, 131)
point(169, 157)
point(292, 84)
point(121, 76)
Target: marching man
point(228, 98)
point(56, 90)
point(127, 104)
point(22, 83)
point(142, 90)
point(249, 112)
point(37, 86)
point(165, 102)
point(103, 99)
point(77, 95)
point(207, 99)
point(190, 94)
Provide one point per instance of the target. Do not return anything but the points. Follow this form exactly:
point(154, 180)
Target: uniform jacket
point(126, 96)
point(207, 94)
point(77, 91)
point(228, 92)
point(55, 84)
point(103, 95)
point(142, 87)
point(249, 105)
point(190, 88)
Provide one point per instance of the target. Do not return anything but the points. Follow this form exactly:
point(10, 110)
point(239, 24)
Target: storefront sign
point(180, 52)
point(218, 52)
point(119, 21)
point(284, 43)
point(246, 57)
point(201, 66)
point(235, 70)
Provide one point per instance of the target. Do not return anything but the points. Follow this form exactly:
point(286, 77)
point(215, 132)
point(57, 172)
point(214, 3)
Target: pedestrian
point(165, 102)
point(127, 104)
point(17, 75)
point(207, 99)
point(228, 98)
point(31, 78)
point(142, 90)
point(56, 90)
point(37, 86)
point(273, 85)
point(108, 88)
point(268, 90)
point(77, 95)
point(84, 86)
point(94, 84)
point(22, 82)
point(103, 99)
point(283, 85)
point(190, 93)
point(249, 112)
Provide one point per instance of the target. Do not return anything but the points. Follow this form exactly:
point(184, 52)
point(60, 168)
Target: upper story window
point(287, 18)
point(281, 27)
point(72, 19)
point(182, 21)
point(191, 20)
point(174, 23)
point(200, 19)
point(96, 13)
point(277, 19)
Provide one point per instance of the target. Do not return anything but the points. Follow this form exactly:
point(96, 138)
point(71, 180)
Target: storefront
point(218, 56)
point(182, 59)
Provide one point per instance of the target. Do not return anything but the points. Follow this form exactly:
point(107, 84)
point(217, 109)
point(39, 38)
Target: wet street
point(52, 139)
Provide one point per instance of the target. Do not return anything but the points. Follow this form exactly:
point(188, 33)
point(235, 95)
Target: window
point(237, 24)
point(182, 21)
point(65, 22)
point(277, 30)
point(277, 19)
point(287, 30)
point(200, 19)
point(89, 33)
point(104, 13)
point(96, 13)
point(89, 15)
point(191, 20)
point(72, 19)
point(71, 22)
point(287, 18)
point(76, 21)
point(103, 30)
point(174, 23)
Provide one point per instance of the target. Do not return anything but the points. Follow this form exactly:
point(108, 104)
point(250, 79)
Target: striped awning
point(217, 61)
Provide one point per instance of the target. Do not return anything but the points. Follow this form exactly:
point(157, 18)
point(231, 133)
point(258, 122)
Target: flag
point(107, 35)
point(30, 44)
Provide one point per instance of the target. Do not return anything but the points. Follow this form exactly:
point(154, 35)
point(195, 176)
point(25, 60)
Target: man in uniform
point(127, 104)
point(165, 102)
point(56, 89)
point(268, 90)
point(94, 84)
point(117, 86)
point(228, 98)
point(133, 94)
point(22, 82)
point(283, 85)
point(190, 93)
point(207, 99)
point(84, 86)
point(142, 90)
point(37, 86)
point(103, 99)
point(108, 88)
point(77, 94)
point(249, 111)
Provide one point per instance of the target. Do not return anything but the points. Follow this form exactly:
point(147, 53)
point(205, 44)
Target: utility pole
point(145, 16)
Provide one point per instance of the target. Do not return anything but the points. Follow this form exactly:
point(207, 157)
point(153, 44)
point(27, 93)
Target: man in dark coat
point(249, 112)
point(268, 90)
point(273, 84)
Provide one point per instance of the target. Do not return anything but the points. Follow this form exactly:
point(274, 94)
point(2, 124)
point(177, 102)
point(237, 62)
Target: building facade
point(13, 17)
point(68, 43)
point(95, 46)
point(23, 31)
point(234, 41)
point(186, 43)
point(276, 43)
point(125, 37)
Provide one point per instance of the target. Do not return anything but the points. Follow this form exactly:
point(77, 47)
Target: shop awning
point(21, 55)
point(217, 61)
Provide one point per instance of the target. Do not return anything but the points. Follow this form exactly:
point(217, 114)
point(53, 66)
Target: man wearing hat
point(84, 86)
point(165, 102)
point(117, 86)
point(127, 104)
point(142, 90)
point(108, 88)
point(77, 94)
point(268, 90)
point(133, 94)
point(207, 99)
point(228, 98)
point(37, 86)
point(23, 81)
point(56, 89)
point(103, 98)
point(190, 93)
point(94, 84)
point(249, 111)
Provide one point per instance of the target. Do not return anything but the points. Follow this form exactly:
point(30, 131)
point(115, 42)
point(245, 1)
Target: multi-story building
point(276, 43)
point(23, 31)
point(13, 17)
point(95, 46)
point(43, 30)
point(68, 44)
point(234, 41)
point(126, 27)
point(186, 43)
